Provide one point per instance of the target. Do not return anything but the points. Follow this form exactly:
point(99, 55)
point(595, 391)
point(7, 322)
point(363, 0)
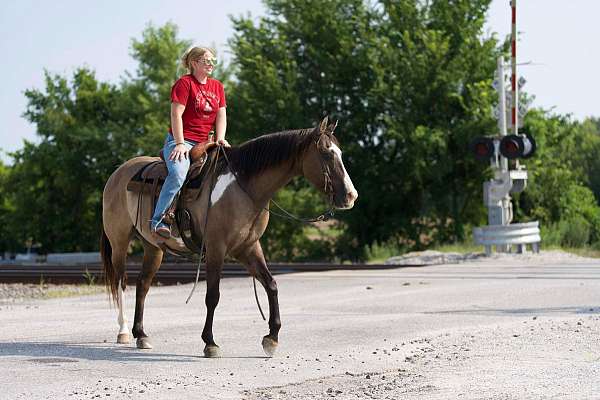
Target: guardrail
point(506, 236)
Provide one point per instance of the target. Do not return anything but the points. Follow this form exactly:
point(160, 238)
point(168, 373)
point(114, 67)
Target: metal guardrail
point(506, 236)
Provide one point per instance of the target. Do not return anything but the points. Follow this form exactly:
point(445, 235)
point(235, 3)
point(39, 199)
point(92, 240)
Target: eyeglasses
point(208, 61)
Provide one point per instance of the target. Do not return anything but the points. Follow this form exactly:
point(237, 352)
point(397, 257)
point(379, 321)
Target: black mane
point(263, 152)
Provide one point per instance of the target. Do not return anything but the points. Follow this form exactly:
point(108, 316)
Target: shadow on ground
point(61, 352)
point(45, 352)
point(525, 311)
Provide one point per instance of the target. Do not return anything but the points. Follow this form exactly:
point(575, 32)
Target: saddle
point(153, 175)
point(148, 181)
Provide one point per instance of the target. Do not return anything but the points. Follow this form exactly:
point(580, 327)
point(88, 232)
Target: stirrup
point(162, 230)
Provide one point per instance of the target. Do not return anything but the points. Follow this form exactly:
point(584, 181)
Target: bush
point(574, 232)
point(550, 234)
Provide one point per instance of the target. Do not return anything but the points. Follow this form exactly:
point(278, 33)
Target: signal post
point(499, 150)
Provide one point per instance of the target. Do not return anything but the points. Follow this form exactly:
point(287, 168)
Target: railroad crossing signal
point(510, 146)
point(517, 146)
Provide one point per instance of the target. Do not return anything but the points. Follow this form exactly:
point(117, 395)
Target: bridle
point(327, 182)
point(328, 190)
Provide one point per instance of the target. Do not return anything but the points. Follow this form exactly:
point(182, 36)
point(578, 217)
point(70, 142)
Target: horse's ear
point(332, 127)
point(323, 125)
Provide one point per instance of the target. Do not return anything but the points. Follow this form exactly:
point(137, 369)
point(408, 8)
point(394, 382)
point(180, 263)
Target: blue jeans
point(178, 170)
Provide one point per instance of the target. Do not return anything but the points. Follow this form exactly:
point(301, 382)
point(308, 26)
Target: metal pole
point(513, 80)
point(502, 119)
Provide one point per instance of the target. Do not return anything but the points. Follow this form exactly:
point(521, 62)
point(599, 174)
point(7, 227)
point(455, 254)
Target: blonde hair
point(194, 53)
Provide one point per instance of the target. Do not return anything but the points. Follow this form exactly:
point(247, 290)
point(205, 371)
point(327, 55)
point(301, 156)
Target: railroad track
point(169, 272)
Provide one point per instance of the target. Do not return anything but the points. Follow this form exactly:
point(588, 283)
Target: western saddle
point(149, 179)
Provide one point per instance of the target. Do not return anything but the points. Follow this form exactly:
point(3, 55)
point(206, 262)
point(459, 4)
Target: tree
point(87, 128)
point(410, 83)
point(8, 241)
point(563, 173)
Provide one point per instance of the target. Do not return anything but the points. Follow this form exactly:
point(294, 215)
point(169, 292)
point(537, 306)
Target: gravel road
point(505, 327)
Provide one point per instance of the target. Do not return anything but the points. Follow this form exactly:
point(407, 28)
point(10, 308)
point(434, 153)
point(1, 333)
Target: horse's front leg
point(254, 260)
point(213, 278)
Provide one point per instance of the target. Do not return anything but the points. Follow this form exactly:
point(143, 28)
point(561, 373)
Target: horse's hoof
point(123, 338)
point(212, 351)
point(143, 343)
point(269, 346)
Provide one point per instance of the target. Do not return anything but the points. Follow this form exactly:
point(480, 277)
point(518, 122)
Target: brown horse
point(236, 220)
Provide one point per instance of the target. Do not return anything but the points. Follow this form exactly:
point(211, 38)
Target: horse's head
point(324, 168)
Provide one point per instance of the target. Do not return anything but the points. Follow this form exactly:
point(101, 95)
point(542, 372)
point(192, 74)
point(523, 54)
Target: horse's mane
point(263, 152)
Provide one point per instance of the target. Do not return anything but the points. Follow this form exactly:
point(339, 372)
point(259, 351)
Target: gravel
point(18, 292)
point(500, 327)
point(432, 257)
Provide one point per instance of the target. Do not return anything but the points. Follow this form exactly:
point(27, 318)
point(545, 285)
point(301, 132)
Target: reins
point(286, 214)
point(325, 216)
point(214, 161)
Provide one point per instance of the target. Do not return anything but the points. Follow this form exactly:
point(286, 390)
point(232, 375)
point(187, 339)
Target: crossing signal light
point(483, 148)
point(517, 146)
point(511, 147)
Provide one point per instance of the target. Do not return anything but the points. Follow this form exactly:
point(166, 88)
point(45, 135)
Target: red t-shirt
point(201, 101)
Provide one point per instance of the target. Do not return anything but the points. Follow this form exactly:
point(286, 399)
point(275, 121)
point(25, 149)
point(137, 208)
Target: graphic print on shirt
point(203, 104)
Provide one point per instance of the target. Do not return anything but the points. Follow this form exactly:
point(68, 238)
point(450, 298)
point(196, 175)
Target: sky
point(558, 37)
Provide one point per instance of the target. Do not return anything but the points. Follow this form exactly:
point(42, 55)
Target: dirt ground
point(504, 327)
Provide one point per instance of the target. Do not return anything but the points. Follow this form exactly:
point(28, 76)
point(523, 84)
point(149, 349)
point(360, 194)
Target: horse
point(237, 218)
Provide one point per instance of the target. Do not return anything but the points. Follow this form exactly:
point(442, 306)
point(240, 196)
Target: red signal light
point(482, 148)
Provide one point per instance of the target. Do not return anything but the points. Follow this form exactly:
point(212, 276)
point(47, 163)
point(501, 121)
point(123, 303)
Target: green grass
point(75, 290)
point(379, 253)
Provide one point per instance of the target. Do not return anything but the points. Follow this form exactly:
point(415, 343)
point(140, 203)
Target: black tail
point(110, 274)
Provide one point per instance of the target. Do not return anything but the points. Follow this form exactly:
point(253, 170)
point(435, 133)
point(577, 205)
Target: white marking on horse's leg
point(348, 185)
point(123, 336)
point(223, 183)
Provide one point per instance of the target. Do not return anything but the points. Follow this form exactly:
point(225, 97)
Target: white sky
point(61, 35)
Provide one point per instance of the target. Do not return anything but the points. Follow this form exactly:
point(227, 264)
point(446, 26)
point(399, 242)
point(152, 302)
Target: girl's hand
point(224, 142)
point(179, 153)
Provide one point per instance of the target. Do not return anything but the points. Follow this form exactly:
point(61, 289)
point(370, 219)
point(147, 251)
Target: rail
point(169, 273)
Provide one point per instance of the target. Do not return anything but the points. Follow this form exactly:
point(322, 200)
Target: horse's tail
point(110, 274)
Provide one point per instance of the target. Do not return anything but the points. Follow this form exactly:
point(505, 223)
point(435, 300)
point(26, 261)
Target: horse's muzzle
point(348, 201)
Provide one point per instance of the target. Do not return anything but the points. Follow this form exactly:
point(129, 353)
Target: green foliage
point(409, 82)
point(285, 239)
point(574, 231)
point(562, 176)
point(378, 253)
point(8, 241)
point(90, 279)
point(86, 129)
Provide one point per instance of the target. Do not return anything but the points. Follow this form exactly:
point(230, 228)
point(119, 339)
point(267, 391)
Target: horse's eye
point(327, 155)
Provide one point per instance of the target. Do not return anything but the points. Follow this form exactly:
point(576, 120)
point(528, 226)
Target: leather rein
point(327, 189)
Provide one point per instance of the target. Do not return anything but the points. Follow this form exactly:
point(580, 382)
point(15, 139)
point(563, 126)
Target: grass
point(73, 290)
point(379, 253)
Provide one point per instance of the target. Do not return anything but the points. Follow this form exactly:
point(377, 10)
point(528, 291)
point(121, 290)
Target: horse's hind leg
point(118, 257)
point(255, 262)
point(152, 259)
point(123, 335)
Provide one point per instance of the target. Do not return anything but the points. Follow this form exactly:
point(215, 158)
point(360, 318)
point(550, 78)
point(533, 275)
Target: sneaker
point(162, 230)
